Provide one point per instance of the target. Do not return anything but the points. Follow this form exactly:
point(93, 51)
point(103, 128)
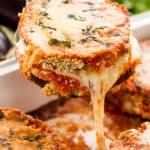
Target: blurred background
point(136, 6)
point(8, 12)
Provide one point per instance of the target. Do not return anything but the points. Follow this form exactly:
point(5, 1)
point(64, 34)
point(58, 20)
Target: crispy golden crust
point(20, 131)
point(71, 116)
point(115, 36)
point(133, 95)
point(130, 98)
point(59, 84)
point(114, 42)
point(57, 45)
point(133, 139)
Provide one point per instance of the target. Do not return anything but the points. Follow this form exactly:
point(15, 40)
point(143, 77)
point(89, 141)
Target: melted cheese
point(84, 23)
point(64, 22)
point(145, 136)
point(89, 139)
point(21, 46)
point(99, 83)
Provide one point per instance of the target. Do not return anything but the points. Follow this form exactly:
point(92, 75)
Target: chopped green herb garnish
point(40, 23)
point(99, 28)
point(59, 42)
point(42, 13)
point(91, 9)
point(87, 31)
point(89, 3)
point(78, 18)
point(89, 34)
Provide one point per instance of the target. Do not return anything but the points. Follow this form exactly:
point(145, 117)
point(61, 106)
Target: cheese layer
point(75, 27)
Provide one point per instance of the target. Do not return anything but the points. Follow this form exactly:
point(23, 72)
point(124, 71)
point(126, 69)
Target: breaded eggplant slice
point(77, 47)
point(22, 132)
point(61, 39)
point(133, 95)
point(133, 139)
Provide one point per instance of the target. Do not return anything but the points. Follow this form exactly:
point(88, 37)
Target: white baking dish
point(16, 92)
point(140, 25)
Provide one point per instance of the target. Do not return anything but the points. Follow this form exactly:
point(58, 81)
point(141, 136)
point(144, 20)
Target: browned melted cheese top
point(83, 28)
point(79, 27)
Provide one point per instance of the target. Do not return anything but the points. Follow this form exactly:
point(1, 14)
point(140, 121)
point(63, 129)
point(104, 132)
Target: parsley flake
point(59, 42)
